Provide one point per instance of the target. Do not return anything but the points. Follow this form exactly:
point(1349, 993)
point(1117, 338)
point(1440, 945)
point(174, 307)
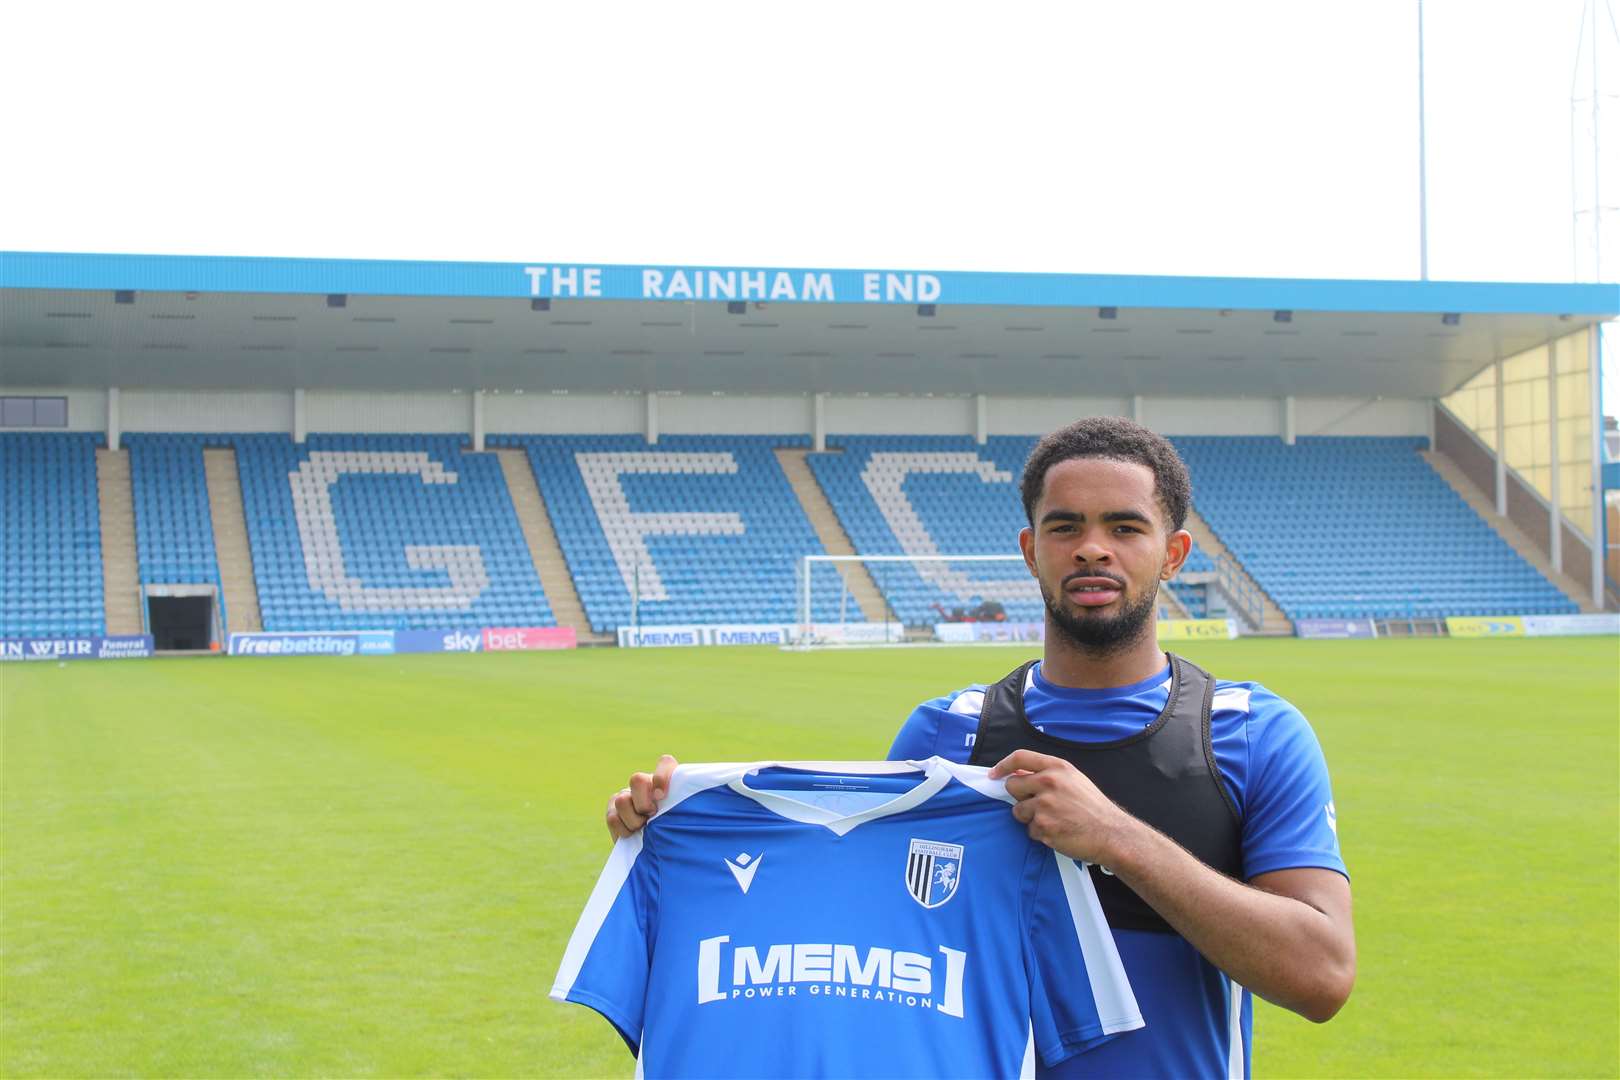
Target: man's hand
point(1286, 935)
point(1061, 806)
point(630, 808)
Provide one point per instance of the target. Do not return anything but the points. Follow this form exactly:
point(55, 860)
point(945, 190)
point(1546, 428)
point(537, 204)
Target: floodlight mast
point(1599, 36)
point(1599, 33)
point(1423, 161)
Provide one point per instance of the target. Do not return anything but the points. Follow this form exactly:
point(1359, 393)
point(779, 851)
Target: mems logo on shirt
point(827, 970)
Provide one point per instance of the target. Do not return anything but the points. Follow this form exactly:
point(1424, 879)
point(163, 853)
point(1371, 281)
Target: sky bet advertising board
point(488, 639)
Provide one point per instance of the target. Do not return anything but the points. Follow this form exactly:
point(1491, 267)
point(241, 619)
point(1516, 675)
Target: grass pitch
point(370, 866)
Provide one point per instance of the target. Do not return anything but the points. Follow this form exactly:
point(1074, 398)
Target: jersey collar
point(936, 776)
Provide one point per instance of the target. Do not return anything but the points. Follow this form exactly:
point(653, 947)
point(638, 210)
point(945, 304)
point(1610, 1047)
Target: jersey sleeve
point(943, 726)
point(609, 955)
point(1079, 994)
point(1289, 820)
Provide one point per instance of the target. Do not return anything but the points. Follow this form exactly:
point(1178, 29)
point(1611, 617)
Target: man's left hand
point(1061, 806)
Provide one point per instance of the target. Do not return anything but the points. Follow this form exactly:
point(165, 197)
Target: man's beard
point(1103, 635)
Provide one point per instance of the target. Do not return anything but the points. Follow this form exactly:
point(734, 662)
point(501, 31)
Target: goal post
point(892, 599)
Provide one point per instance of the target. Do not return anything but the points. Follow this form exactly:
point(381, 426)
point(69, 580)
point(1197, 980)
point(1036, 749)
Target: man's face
point(1099, 548)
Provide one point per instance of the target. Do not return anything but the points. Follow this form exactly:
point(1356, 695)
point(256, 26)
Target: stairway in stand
point(830, 531)
point(1172, 603)
point(544, 549)
point(231, 541)
point(120, 576)
point(1273, 623)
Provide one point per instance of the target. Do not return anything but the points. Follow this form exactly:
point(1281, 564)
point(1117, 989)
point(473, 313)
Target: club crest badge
point(933, 871)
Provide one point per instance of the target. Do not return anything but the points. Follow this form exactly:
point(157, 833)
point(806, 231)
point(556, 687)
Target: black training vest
point(1164, 775)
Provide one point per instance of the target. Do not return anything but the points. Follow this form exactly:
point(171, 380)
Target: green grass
point(369, 866)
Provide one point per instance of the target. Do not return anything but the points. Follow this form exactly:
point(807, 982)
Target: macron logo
point(745, 877)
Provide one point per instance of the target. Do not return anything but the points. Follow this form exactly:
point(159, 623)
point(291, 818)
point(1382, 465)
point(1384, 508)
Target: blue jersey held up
point(1199, 1022)
point(868, 919)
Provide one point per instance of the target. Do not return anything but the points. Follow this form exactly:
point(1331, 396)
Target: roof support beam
point(1556, 522)
point(114, 427)
point(1290, 428)
point(981, 421)
point(818, 422)
point(478, 421)
point(652, 418)
point(300, 430)
point(1600, 540)
point(1501, 440)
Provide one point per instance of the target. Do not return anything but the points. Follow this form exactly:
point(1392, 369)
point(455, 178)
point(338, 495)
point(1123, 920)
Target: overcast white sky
point(1239, 138)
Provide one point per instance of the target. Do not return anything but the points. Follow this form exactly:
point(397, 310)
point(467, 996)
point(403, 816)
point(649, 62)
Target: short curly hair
point(1117, 439)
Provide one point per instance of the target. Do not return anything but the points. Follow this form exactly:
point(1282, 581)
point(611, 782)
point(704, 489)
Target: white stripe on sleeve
point(1110, 989)
point(1234, 1027)
point(608, 885)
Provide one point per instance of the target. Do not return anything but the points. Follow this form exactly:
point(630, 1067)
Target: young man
point(1207, 801)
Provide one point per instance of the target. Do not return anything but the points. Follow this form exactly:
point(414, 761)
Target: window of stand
point(33, 412)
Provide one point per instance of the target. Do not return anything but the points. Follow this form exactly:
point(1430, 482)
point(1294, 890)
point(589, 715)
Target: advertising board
point(668, 637)
point(1197, 629)
point(528, 638)
point(849, 633)
point(1335, 628)
point(963, 633)
point(431, 641)
point(1571, 625)
point(1479, 626)
point(313, 643)
point(660, 637)
point(113, 647)
point(747, 634)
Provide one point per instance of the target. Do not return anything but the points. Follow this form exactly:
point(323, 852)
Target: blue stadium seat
point(1358, 527)
point(50, 536)
point(696, 529)
point(380, 532)
point(934, 495)
point(174, 530)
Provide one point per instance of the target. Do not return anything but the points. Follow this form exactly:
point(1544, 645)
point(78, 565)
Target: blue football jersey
point(850, 919)
point(1200, 1023)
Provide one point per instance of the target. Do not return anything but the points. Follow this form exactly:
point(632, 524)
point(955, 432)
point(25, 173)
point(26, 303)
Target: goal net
point(856, 600)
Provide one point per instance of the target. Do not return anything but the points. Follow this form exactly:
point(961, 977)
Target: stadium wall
point(565, 414)
point(1037, 416)
point(233, 411)
point(731, 414)
point(380, 414)
point(1362, 416)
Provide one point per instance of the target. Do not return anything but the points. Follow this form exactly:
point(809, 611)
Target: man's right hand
point(630, 807)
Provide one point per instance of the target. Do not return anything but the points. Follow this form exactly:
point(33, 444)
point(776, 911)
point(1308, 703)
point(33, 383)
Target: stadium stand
point(693, 530)
point(1194, 595)
point(50, 538)
point(1358, 527)
point(411, 531)
point(359, 532)
point(174, 530)
point(1330, 527)
point(933, 495)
